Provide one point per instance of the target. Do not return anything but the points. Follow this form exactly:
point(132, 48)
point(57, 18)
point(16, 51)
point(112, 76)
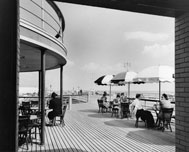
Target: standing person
point(56, 106)
point(140, 112)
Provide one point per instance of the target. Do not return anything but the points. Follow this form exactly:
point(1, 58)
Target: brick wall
point(182, 82)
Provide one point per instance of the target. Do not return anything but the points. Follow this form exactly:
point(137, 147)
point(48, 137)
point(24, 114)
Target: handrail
point(60, 23)
point(151, 100)
point(59, 13)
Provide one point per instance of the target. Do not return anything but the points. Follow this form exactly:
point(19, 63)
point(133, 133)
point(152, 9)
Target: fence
point(69, 99)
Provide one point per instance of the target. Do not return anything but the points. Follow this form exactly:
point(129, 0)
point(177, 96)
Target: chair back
point(111, 104)
point(26, 104)
point(167, 113)
point(125, 107)
point(100, 103)
point(23, 130)
point(25, 108)
point(34, 103)
point(23, 123)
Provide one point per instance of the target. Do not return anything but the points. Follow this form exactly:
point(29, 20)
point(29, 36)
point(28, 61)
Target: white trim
point(42, 32)
point(41, 44)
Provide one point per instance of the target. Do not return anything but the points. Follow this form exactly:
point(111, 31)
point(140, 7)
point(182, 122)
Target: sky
point(101, 41)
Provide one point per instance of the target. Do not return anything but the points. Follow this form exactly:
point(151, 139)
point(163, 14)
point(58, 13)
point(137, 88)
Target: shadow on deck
point(86, 130)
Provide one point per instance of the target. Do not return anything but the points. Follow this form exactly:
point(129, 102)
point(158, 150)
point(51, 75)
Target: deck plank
point(86, 130)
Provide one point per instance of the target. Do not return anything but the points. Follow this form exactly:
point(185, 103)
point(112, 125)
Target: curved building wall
point(41, 28)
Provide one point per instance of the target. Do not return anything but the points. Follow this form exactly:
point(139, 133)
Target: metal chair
point(165, 118)
point(37, 125)
point(61, 116)
point(101, 106)
point(26, 108)
point(24, 133)
point(34, 103)
point(115, 110)
point(125, 112)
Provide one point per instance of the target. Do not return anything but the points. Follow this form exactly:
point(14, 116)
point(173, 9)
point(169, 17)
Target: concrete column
point(9, 79)
point(182, 81)
point(39, 90)
point(61, 83)
point(42, 97)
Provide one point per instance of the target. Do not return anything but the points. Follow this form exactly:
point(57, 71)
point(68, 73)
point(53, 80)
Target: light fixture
point(58, 35)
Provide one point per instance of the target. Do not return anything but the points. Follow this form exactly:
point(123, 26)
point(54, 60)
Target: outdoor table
point(33, 117)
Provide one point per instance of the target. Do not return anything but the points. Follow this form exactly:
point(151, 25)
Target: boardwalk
point(87, 130)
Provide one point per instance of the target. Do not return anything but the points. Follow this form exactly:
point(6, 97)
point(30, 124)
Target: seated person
point(164, 103)
point(116, 101)
point(116, 105)
point(56, 106)
point(139, 112)
point(123, 98)
point(104, 99)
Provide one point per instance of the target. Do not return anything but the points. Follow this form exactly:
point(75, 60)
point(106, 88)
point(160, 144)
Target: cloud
point(70, 63)
point(90, 67)
point(103, 69)
point(157, 50)
point(146, 36)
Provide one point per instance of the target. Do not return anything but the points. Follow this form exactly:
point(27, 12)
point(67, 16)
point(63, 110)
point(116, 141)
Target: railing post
point(88, 97)
point(70, 103)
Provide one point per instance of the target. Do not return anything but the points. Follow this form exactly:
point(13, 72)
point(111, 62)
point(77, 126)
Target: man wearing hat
point(56, 105)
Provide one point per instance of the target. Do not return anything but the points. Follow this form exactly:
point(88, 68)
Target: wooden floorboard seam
point(140, 149)
point(81, 142)
point(95, 133)
point(88, 139)
point(66, 142)
point(97, 130)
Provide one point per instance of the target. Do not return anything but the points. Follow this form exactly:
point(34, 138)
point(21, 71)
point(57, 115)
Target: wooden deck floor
point(86, 130)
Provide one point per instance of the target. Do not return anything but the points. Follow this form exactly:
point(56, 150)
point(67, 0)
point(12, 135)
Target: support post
point(39, 90)
point(9, 77)
point(159, 90)
point(42, 97)
point(61, 83)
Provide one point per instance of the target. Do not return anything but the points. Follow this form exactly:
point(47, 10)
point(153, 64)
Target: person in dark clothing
point(56, 105)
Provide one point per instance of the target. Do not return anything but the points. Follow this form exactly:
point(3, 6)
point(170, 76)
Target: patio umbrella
point(124, 78)
point(156, 74)
point(105, 80)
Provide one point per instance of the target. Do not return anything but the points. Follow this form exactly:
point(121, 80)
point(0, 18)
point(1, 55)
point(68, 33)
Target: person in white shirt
point(138, 109)
point(136, 104)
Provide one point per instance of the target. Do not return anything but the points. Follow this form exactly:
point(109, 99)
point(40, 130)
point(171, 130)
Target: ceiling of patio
point(30, 58)
point(170, 8)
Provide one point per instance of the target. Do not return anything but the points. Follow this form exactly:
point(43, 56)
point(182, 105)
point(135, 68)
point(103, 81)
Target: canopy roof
point(170, 8)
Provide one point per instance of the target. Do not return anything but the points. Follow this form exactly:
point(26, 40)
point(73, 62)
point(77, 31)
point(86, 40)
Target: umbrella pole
point(110, 92)
point(159, 90)
point(128, 89)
